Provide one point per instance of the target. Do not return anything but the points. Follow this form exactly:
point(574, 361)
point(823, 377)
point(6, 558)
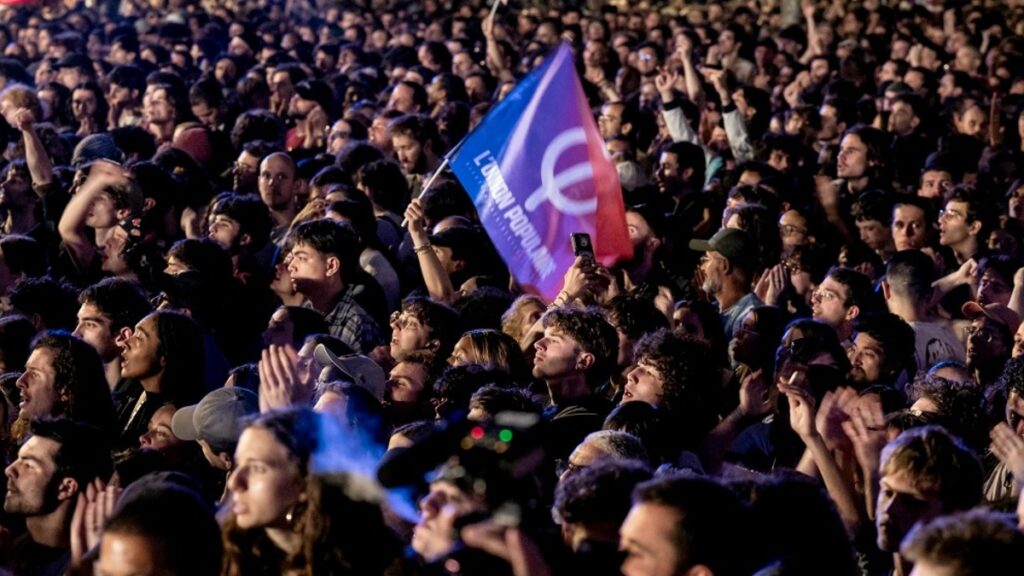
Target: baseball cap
point(74, 61)
point(996, 312)
point(317, 91)
point(735, 244)
point(363, 372)
point(218, 419)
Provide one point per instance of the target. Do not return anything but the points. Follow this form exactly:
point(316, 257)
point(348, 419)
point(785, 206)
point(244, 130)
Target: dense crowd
point(245, 331)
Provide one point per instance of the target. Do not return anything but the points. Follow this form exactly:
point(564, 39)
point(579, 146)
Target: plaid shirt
point(348, 321)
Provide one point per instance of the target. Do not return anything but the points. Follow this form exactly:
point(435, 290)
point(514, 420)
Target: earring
point(290, 517)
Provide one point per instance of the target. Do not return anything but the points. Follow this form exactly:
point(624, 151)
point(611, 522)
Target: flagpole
point(430, 180)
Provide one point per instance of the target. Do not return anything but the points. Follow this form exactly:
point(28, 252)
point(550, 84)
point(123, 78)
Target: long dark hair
point(342, 532)
point(182, 350)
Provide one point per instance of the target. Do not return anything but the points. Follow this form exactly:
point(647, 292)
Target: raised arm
point(694, 87)
point(439, 284)
point(735, 126)
point(39, 164)
point(678, 126)
point(72, 226)
point(802, 419)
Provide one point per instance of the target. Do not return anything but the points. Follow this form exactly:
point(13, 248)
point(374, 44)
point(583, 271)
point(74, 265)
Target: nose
point(20, 383)
point(11, 471)
point(429, 505)
point(236, 480)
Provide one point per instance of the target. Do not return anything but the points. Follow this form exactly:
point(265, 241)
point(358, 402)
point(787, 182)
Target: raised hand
point(665, 82)
point(415, 219)
point(280, 386)
point(24, 120)
point(755, 400)
point(829, 419)
point(1009, 448)
point(95, 504)
point(866, 431)
point(801, 406)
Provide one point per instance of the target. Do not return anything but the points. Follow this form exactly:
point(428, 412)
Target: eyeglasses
point(950, 214)
point(791, 229)
point(981, 333)
point(338, 134)
point(792, 266)
point(563, 467)
point(825, 295)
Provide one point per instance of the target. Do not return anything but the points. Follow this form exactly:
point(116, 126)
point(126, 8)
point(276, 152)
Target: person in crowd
point(244, 169)
point(64, 377)
point(109, 311)
point(162, 361)
point(58, 462)
point(278, 501)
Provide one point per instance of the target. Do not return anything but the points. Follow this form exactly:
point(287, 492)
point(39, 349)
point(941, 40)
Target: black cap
point(75, 61)
point(317, 91)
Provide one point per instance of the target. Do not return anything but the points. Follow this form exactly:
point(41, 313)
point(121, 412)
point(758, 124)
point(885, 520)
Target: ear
point(886, 290)
point(122, 213)
point(853, 312)
point(974, 227)
point(699, 570)
point(915, 122)
point(148, 204)
point(585, 361)
point(653, 243)
point(627, 127)
point(458, 265)
point(245, 240)
point(68, 489)
point(333, 265)
point(433, 345)
point(687, 174)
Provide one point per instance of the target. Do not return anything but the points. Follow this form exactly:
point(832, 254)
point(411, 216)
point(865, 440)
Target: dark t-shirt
point(570, 423)
point(32, 559)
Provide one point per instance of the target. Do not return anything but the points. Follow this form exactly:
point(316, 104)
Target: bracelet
point(424, 248)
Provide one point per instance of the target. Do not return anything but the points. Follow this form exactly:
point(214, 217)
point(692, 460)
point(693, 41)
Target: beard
point(711, 285)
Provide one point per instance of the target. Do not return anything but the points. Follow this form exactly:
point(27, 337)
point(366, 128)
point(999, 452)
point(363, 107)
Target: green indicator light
point(505, 435)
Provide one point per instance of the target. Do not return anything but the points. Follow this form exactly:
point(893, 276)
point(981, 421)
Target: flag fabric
point(538, 171)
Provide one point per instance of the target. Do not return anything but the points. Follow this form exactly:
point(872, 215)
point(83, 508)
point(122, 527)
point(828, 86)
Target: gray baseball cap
point(218, 419)
point(361, 370)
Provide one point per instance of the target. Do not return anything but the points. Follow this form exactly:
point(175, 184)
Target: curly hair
point(592, 333)
point(441, 320)
point(80, 384)
point(341, 530)
point(687, 376)
point(601, 493)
